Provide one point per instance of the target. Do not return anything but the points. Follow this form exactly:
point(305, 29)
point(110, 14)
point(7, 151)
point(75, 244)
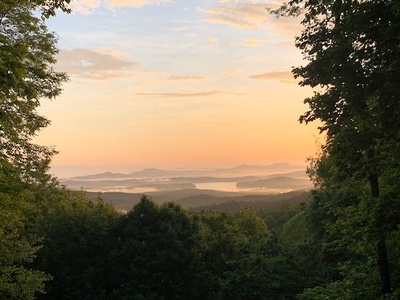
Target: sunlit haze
point(173, 84)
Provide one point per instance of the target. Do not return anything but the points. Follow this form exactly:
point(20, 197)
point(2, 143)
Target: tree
point(17, 248)
point(153, 253)
point(353, 54)
point(27, 54)
point(226, 247)
point(77, 244)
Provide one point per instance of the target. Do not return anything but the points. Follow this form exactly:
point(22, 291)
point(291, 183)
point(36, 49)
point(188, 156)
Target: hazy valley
point(280, 177)
point(199, 188)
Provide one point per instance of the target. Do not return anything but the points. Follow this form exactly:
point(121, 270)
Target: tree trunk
point(383, 262)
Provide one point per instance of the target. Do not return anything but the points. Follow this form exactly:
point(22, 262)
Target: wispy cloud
point(253, 15)
point(179, 29)
point(179, 95)
point(186, 78)
point(192, 35)
point(96, 64)
point(213, 40)
point(134, 3)
point(87, 6)
point(254, 42)
point(284, 76)
point(246, 15)
point(232, 71)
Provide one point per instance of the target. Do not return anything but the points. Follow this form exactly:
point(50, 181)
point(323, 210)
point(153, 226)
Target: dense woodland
point(343, 244)
point(198, 200)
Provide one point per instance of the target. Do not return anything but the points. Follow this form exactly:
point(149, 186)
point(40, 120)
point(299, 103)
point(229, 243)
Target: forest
point(342, 243)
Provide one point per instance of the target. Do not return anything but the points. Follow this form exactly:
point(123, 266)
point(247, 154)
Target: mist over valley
point(272, 178)
point(199, 188)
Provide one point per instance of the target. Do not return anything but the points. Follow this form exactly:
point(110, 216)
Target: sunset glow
point(177, 84)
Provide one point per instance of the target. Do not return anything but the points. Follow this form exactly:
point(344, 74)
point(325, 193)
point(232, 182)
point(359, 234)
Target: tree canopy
point(27, 77)
point(353, 63)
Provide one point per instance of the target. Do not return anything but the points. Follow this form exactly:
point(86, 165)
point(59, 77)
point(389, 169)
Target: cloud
point(134, 3)
point(284, 76)
point(179, 95)
point(178, 29)
point(185, 78)
point(232, 71)
point(87, 6)
point(192, 35)
point(254, 42)
point(246, 15)
point(96, 64)
point(253, 15)
point(213, 40)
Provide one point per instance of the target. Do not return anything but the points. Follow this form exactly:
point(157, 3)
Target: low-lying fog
point(273, 178)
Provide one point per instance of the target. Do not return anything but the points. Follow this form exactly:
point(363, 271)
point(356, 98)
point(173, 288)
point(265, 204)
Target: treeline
point(205, 199)
point(269, 202)
point(58, 244)
point(163, 252)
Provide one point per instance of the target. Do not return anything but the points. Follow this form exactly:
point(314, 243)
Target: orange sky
point(175, 84)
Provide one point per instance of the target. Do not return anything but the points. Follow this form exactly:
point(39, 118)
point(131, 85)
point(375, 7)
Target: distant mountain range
point(243, 178)
point(156, 173)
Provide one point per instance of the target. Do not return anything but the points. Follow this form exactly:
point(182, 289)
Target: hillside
point(205, 200)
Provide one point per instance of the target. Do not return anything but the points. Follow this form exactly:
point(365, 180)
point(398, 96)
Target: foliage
point(352, 52)
point(76, 231)
point(153, 253)
point(27, 54)
point(17, 248)
point(162, 252)
point(351, 223)
point(220, 240)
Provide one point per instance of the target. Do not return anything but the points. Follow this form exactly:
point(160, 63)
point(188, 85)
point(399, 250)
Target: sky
point(174, 84)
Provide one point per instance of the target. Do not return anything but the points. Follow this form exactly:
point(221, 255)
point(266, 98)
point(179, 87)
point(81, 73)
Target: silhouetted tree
point(77, 244)
point(154, 252)
point(27, 56)
point(354, 67)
